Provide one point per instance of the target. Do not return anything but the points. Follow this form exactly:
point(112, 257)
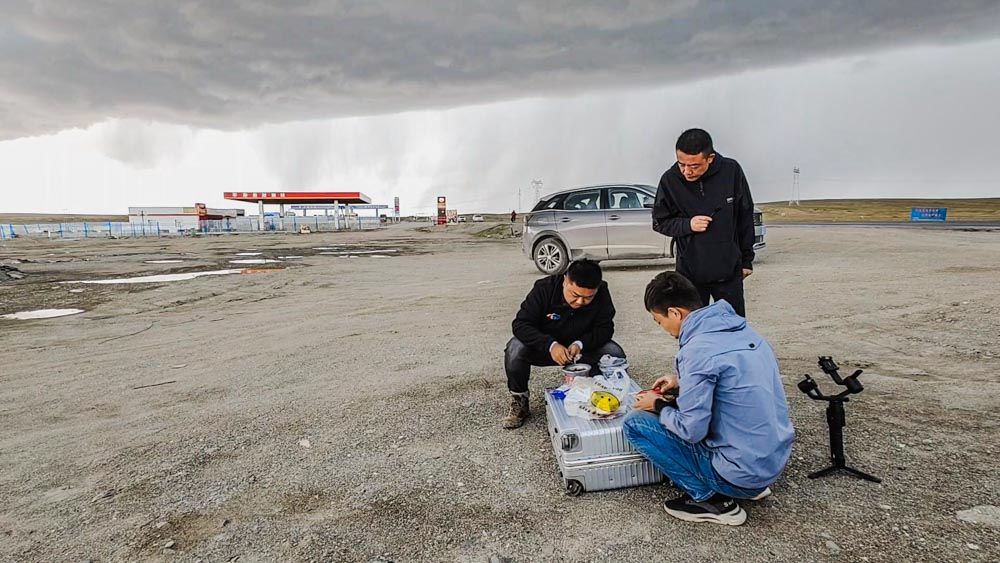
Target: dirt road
point(346, 409)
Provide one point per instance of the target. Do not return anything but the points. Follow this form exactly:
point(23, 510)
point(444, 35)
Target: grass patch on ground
point(497, 231)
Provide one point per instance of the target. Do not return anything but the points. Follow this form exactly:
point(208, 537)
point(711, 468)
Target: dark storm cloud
point(235, 64)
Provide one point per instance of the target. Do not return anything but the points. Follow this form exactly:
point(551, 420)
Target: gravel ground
point(337, 409)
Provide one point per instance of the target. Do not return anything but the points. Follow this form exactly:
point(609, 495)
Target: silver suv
point(609, 222)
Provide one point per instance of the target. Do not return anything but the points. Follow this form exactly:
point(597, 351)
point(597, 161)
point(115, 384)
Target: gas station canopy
point(298, 197)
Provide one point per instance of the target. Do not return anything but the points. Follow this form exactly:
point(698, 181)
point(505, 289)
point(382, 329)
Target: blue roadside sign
point(938, 214)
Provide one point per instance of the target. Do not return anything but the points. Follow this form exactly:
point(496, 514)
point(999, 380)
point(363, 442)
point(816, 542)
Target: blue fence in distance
point(112, 229)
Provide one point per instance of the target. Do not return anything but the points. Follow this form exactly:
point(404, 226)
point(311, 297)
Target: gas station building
point(335, 199)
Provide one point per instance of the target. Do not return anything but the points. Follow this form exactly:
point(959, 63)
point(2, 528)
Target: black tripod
point(836, 418)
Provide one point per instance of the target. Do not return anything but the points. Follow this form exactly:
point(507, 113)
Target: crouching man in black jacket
point(562, 319)
point(704, 203)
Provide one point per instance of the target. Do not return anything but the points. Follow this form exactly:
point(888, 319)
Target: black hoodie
point(545, 317)
point(722, 193)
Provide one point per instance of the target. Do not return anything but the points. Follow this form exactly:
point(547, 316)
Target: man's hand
point(574, 351)
point(665, 383)
point(560, 354)
point(646, 401)
point(747, 272)
point(699, 223)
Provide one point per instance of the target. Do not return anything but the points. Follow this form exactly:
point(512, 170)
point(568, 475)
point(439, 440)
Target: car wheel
point(551, 257)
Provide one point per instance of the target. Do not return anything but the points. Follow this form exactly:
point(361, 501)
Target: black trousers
point(730, 290)
point(518, 359)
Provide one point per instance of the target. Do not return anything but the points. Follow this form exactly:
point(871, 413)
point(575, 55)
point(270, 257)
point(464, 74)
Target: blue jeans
point(687, 465)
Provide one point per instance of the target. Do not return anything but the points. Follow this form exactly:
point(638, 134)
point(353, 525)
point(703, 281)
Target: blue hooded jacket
point(731, 398)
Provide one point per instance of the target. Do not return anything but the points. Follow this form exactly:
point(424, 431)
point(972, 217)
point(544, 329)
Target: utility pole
point(794, 200)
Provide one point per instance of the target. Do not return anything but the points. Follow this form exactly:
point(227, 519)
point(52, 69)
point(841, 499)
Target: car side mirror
point(648, 205)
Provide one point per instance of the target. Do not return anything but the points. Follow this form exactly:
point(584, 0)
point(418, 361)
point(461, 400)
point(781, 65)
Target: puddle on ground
point(386, 251)
point(290, 257)
point(254, 261)
point(164, 261)
point(325, 248)
point(248, 253)
point(41, 314)
point(159, 278)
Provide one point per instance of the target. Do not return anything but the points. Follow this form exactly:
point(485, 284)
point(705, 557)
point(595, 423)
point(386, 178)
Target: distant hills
point(876, 210)
point(775, 212)
point(32, 218)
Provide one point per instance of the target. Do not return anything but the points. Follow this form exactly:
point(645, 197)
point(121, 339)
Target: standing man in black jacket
point(704, 203)
point(562, 319)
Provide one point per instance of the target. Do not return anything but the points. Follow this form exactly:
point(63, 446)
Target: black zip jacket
point(545, 317)
point(723, 194)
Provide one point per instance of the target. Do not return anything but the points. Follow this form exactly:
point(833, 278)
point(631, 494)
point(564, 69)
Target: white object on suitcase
point(578, 394)
point(593, 455)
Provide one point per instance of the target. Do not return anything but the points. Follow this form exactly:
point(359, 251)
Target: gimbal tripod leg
point(851, 470)
point(823, 472)
point(863, 475)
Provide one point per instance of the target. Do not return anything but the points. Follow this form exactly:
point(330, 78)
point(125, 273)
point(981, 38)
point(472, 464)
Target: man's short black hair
point(695, 141)
point(585, 273)
point(671, 289)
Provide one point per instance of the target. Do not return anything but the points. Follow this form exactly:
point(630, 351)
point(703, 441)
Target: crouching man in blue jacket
point(727, 434)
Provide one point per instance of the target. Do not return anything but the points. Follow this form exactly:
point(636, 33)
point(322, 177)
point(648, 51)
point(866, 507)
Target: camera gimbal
point(836, 418)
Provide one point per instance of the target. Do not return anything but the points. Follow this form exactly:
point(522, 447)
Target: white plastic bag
point(578, 397)
point(614, 376)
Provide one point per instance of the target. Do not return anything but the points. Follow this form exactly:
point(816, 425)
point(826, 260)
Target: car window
point(628, 198)
point(580, 201)
point(551, 203)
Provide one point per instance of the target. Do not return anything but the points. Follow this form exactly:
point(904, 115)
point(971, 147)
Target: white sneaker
point(763, 494)
point(718, 509)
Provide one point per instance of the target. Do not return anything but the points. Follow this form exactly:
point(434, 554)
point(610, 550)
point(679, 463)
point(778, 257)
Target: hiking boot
point(718, 509)
point(518, 412)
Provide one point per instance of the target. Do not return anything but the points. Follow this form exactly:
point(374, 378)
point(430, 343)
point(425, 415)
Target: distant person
point(727, 434)
point(704, 203)
point(513, 216)
point(563, 318)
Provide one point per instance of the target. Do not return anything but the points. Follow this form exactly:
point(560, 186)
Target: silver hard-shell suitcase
point(593, 455)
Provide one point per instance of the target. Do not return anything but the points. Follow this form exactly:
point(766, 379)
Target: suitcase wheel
point(574, 488)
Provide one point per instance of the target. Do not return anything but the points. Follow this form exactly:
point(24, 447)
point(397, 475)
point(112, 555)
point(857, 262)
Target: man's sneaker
point(718, 509)
point(518, 412)
point(763, 494)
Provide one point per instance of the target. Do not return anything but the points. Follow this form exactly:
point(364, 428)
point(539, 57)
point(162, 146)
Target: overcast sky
point(116, 103)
